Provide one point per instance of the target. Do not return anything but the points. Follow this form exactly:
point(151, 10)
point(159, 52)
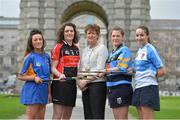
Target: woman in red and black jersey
point(65, 58)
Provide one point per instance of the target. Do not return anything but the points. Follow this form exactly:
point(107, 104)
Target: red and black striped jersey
point(68, 58)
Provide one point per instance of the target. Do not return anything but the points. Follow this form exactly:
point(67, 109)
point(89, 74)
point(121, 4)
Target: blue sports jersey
point(147, 62)
point(36, 65)
point(40, 65)
point(122, 59)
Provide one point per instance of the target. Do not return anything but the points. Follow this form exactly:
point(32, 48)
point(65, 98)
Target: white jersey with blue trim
point(147, 62)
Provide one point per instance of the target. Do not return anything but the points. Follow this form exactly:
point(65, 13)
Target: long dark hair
point(146, 30)
point(60, 33)
point(30, 47)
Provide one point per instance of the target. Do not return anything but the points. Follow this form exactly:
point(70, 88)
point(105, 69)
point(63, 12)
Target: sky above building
point(160, 9)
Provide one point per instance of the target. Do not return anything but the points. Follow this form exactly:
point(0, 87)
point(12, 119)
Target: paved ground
point(77, 111)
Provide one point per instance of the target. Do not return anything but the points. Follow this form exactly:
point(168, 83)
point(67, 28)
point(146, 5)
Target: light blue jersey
point(147, 62)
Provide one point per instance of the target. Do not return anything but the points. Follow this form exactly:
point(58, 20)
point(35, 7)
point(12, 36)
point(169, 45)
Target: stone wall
point(48, 15)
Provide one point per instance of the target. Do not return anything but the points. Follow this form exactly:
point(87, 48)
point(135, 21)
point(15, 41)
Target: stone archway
point(82, 20)
point(83, 13)
point(47, 15)
point(84, 7)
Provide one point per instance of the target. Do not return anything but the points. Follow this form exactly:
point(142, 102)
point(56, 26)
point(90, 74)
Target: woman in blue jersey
point(148, 67)
point(35, 72)
point(118, 80)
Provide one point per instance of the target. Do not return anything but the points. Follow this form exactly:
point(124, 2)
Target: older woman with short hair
point(93, 59)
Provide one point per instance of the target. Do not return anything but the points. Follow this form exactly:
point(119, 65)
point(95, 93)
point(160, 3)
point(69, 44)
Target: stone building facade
point(8, 46)
point(49, 15)
point(165, 35)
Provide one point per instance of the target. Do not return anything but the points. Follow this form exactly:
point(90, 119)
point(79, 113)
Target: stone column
point(49, 25)
point(22, 30)
point(29, 20)
point(33, 14)
point(116, 16)
point(139, 16)
point(127, 21)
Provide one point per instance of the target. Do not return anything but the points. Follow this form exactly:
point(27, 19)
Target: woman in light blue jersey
point(148, 67)
point(118, 80)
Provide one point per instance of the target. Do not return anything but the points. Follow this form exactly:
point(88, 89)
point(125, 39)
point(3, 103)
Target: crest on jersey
point(141, 55)
point(67, 52)
point(38, 64)
point(119, 100)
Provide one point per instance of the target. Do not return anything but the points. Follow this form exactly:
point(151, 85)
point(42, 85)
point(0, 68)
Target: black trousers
point(94, 100)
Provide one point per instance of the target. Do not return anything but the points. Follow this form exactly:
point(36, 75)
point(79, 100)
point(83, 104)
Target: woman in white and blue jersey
point(118, 80)
point(148, 67)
